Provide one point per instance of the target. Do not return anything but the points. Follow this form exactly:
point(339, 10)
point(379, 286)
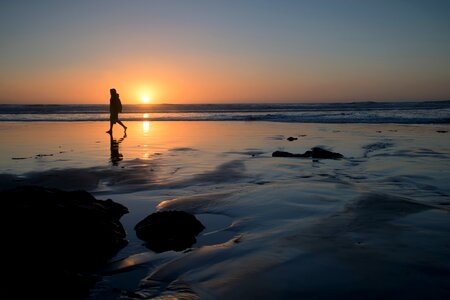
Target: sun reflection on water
point(145, 125)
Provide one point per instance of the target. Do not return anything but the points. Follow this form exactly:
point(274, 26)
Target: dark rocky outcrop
point(290, 139)
point(169, 230)
point(53, 240)
point(286, 154)
point(318, 152)
point(315, 153)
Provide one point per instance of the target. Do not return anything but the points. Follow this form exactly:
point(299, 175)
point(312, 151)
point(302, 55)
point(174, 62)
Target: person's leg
point(110, 127)
point(124, 127)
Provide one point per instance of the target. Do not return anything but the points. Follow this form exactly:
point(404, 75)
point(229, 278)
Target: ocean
point(374, 224)
point(427, 112)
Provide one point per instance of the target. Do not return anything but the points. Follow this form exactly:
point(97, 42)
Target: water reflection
point(116, 156)
point(146, 125)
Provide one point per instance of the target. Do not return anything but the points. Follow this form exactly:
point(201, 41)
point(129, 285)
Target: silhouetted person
point(115, 107)
point(116, 156)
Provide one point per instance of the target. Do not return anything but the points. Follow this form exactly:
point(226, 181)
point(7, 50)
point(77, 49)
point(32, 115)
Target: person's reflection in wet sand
point(116, 156)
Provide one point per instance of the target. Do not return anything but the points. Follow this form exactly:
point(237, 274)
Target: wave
point(358, 112)
point(320, 118)
point(170, 108)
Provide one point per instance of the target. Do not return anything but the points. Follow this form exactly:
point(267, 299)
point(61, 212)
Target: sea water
point(374, 224)
point(356, 112)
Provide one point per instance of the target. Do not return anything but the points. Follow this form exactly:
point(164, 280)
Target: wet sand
point(372, 225)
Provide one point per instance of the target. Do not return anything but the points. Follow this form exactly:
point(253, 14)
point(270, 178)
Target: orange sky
point(210, 52)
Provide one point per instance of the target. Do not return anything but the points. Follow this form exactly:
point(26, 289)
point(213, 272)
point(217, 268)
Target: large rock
point(315, 153)
point(59, 236)
point(169, 230)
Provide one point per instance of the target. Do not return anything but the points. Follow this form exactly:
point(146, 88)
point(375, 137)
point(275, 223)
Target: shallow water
point(374, 224)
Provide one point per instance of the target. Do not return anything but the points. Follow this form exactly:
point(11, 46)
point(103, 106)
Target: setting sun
point(145, 99)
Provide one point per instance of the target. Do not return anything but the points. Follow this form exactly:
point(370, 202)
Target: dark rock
point(62, 236)
point(288, 154)
point(306, 154)
point(169, 230)
point(315, 153)
point(42, 155)
point(282, 154)
point(441, 131)
point(290, 139)
point(322, 153)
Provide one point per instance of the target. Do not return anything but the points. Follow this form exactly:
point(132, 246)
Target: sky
point(228, 51)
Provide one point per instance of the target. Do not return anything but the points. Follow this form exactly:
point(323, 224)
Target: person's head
point(113, 92)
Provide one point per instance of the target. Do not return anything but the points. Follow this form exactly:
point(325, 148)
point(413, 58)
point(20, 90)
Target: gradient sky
point(211, 51)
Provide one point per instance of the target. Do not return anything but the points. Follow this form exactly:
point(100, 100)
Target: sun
point(145, 99)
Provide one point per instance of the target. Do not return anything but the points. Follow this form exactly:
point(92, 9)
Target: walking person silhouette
point(115, 107)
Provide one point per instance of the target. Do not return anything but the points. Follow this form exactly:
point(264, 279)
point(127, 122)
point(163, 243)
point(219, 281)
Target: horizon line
point(243, 103)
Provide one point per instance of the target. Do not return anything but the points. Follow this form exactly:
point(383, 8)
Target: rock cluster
point(53, 239)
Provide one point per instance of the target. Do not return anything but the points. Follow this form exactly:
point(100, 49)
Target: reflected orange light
point(146, 127)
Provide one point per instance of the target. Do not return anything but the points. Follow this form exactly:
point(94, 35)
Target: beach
point(373, 224)
point(223, 150)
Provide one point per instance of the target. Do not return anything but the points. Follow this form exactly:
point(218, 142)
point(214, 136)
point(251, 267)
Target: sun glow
point(145, 99)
